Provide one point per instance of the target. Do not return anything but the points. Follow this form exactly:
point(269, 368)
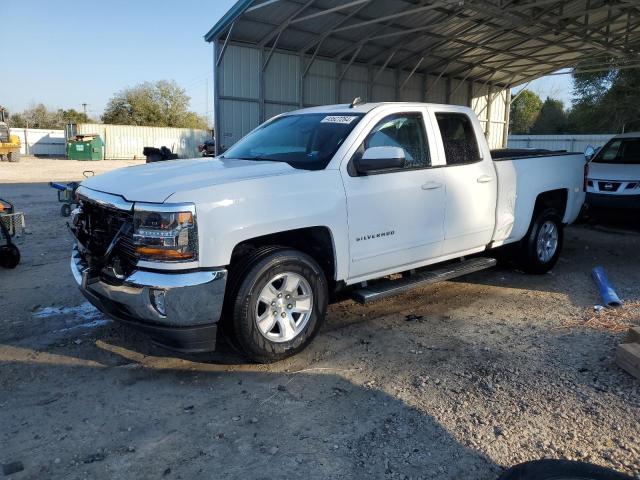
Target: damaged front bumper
point(179, 310)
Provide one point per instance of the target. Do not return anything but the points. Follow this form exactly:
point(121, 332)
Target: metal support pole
point(301, 83)
point(448, 91)
point(216, 98)
point(487, 130)
point(261, 91)
point(507, 118)
point(226, 42)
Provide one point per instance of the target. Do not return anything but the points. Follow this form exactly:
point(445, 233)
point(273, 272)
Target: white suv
point(613, 179)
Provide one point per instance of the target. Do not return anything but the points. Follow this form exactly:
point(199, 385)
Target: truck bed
point(502, 154)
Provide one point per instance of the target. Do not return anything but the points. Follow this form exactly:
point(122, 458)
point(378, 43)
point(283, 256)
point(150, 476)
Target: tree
point(552, 118)
point(73, 116)
point(160, 104)
point(606, 101)
point(39, 116)
point(524, 111)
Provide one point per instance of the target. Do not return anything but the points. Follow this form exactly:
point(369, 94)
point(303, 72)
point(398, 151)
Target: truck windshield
point(307, 141)
point(620, 150)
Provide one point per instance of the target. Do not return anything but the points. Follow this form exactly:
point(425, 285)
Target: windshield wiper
point(259, 159)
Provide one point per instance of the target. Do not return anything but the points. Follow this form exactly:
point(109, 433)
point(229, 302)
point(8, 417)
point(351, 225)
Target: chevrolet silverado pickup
point(370, 199)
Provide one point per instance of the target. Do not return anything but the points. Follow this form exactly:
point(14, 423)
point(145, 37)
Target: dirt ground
point(493, 369)
point(36, 170)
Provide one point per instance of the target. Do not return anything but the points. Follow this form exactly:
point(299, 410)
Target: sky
point(70, 52)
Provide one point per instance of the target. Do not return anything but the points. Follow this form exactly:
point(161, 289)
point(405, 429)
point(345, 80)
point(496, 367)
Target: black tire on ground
point(3, 158)
point(246, 284)
point(9, 256)
point(13, 156)
point(65, 210)
point(528, 255)
point(560, 469)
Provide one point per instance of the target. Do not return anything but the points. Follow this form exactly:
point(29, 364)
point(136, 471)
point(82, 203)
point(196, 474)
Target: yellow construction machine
point(9, 144)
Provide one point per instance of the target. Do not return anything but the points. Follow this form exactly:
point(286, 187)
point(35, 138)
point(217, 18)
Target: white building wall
point(571, 143)
point(36, 141)
point(123, 142)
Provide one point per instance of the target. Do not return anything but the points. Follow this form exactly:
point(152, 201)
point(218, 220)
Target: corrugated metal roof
point(505, 42)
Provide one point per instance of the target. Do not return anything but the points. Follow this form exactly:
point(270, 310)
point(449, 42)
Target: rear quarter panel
point(520, 181)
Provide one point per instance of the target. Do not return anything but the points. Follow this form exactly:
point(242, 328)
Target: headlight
point(165, 233)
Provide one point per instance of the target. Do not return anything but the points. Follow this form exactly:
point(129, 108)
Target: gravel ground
point(486, 373)
point(43, 170)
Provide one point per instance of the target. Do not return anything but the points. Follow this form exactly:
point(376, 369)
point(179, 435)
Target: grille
point(608, 186)
point(101, 225)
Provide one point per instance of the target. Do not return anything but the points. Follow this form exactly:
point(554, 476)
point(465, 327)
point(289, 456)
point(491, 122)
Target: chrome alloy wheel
point(547, 241)
point(284, 307)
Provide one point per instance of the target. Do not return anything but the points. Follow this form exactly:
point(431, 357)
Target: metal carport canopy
point(501, 42)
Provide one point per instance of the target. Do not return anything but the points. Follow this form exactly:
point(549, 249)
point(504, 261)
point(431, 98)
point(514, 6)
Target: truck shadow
point(76, 417)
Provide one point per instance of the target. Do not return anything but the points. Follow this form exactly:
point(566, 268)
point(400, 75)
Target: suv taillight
point(586, 175)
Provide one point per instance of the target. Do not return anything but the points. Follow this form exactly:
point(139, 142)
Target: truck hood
point(614, 171)
point(156, 182)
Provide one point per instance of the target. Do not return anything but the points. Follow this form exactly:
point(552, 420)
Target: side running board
point(387, 288)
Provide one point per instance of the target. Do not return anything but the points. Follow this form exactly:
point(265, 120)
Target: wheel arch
point(317, 242)
point(556, 199)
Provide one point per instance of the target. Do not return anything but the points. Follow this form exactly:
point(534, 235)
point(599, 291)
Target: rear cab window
point(458, 138)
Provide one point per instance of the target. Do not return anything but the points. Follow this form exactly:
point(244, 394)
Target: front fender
point(231, 213)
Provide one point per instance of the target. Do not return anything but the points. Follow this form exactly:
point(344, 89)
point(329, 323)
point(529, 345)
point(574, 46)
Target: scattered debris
point(12, 467)
point(94, 457)
point(412, 317)
point(608, 294)
point(628, 353)
point(614, 320)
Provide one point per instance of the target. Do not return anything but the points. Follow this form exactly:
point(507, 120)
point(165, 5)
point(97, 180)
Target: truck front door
point(395, 216)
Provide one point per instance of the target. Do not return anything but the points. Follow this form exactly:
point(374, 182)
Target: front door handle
point(431, 185)
point(485, 179)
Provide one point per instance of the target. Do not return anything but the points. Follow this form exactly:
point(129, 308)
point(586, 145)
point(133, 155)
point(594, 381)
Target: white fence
point(123, 142)
point(36, 141)
point(571, 143)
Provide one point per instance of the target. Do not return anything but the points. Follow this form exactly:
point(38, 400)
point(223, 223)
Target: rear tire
point(540, 249)
point(3, 158)
point(14, 157)
point(287, 282)
point(65, 210)
point(560, 469)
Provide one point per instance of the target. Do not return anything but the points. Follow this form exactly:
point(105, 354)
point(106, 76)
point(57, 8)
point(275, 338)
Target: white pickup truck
point(309, 203)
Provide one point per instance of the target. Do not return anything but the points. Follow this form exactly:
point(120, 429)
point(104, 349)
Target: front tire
point(540, 249)
point(560, 469)
point(13, 157)
point(279, 304)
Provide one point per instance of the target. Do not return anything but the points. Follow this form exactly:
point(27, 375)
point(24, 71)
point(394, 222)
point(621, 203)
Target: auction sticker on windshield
point(345, 119)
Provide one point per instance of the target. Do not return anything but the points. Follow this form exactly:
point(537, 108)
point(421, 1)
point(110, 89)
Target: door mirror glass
point(589, 152)
point(375, 159)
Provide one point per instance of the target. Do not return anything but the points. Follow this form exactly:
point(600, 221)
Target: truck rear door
point(470, 180)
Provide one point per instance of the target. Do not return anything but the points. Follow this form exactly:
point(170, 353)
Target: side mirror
point(589, 152)
point(376, 159)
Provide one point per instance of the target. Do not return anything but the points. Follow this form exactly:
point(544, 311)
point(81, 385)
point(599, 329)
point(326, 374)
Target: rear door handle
point(431, 185)
point(485, 179)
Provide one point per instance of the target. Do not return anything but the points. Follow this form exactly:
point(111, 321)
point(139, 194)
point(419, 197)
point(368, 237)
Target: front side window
point(458, 138)
point(306, 141)
point(405, 131)
point(621, 150)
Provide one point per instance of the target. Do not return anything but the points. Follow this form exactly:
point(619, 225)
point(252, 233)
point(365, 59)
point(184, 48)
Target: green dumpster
point(85, 147)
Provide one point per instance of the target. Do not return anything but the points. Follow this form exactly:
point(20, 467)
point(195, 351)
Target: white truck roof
point(367, 107)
